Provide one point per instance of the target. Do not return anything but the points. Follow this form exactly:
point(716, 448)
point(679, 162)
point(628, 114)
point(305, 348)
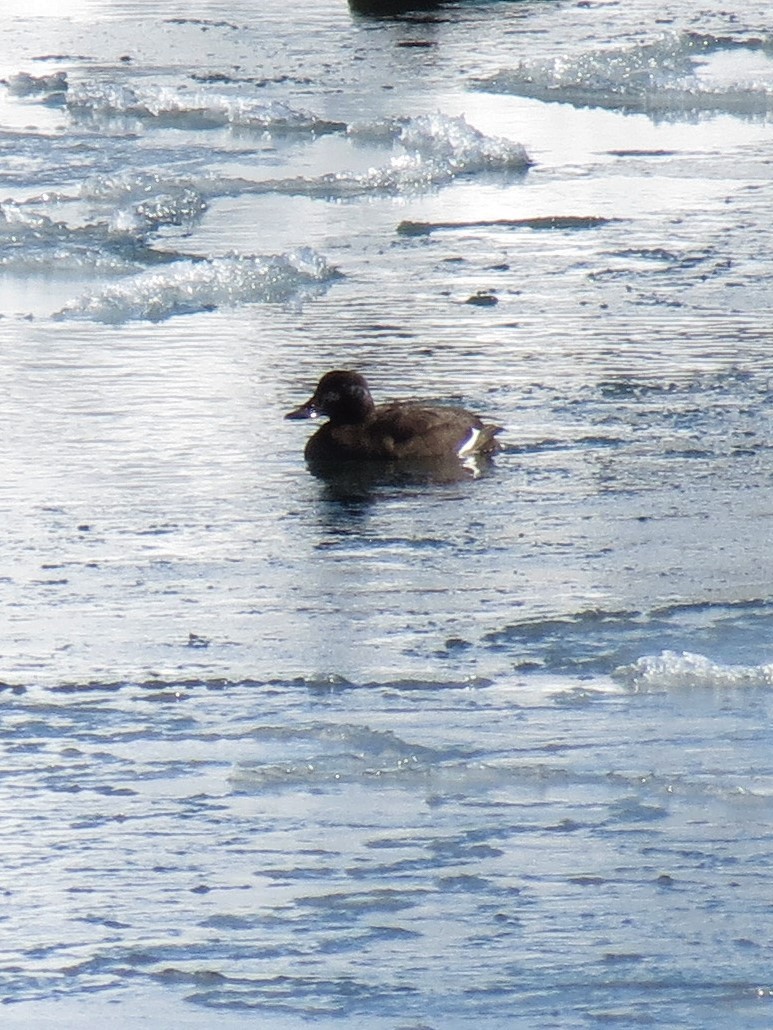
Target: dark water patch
point(14, 688)
point(464, 882)
point(345, 906)
point(388, 330)
point(649, 254)
point(110, 924)
point(633, 152)
point(205, 23)
point(690, 453)
point(397, 870)
point(166, 696)
point(309, 996)
point(549, 222)
point(633, 810)
point(453, 647)
point(299, 874)
point(394, 933)
point(334, 684)
point(363, 939)
point(472, 846)
point(163, 691)
point(231, 923)
point(112, 792)
point(86, 688)
point(416, 44)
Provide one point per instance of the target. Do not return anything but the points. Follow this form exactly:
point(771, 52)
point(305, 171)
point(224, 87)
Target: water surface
point(376, 752)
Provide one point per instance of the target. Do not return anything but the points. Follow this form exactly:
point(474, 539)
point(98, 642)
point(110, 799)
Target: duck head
point(343, 396)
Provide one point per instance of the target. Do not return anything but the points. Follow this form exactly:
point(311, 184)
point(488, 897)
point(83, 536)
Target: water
point(280, 751)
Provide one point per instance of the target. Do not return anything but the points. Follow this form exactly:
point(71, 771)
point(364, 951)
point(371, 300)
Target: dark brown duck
point(360, 430)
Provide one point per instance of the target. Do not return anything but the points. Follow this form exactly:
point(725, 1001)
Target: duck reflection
point(365, 480)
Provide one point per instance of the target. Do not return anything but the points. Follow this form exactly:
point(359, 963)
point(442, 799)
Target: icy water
point(366, 752)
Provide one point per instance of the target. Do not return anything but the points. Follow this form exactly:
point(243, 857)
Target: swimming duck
point(398, 431)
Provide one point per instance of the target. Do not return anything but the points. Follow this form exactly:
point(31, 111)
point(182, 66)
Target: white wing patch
point(468, 446)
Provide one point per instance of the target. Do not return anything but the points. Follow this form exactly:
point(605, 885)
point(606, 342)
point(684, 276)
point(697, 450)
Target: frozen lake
point(402, 755)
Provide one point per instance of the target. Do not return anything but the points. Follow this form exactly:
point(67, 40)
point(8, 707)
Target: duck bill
point(307, 410)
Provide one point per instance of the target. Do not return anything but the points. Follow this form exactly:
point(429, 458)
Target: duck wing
point(415, 430)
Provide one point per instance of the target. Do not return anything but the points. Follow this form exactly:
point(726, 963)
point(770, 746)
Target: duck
point(358, 429)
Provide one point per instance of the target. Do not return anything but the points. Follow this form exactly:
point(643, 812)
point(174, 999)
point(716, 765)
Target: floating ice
point(432, 150)
point(463, 150)
point(199, 108)
point(445, 139)
point(675, 670)
point(146, 200)
point(191, 286)
point(24, 85)
point(671, 76)
point(30, 240)
point(344, 754)
point(17, 221)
